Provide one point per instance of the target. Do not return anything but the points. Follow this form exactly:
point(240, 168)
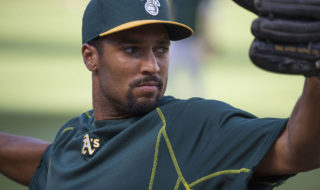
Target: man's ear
point(90, 57)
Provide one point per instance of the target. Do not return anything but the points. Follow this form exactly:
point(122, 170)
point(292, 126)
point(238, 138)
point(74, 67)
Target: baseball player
point(137, 138)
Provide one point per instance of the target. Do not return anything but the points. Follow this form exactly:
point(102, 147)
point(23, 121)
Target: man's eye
point(161, 50)
point(130, 50)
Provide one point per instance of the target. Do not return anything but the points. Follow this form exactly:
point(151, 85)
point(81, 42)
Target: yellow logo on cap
point(152, 7)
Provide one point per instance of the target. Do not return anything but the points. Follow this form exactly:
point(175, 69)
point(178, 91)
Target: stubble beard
point(132, 106)
point(139, 108)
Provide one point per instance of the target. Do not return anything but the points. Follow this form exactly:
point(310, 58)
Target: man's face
point(133, 69)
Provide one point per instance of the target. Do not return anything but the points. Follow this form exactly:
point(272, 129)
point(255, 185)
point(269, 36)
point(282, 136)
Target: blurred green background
point(44, 82)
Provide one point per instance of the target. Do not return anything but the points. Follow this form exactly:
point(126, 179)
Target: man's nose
point(150, 64)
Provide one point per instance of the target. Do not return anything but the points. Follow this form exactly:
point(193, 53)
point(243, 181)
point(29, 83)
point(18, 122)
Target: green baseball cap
point(104, 17)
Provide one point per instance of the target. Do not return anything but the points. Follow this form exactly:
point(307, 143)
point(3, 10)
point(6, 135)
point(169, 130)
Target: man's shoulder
point(75, 124)
point(195, 103)
point(197, 108)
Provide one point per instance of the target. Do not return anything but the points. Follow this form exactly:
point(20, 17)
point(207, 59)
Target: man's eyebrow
point(163, 42)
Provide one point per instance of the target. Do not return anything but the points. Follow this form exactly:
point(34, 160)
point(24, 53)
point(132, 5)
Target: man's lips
point(148, 86)
point(150, 83)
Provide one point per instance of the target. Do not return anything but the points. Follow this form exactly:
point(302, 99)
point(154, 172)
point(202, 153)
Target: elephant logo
point(152, 7)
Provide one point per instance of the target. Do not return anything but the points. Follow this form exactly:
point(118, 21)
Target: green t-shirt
point(183, 144)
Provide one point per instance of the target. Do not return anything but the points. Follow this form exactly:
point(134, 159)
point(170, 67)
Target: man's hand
point(20, 156)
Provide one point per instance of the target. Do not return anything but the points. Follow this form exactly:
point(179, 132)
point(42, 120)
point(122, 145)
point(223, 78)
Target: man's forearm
point(20, 156)
point(298, 147)
point(304, 127)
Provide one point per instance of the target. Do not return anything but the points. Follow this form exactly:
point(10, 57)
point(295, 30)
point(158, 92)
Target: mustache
point(146, 79)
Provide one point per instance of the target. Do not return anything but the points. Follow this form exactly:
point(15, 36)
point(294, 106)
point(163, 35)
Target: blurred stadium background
point(44, 82)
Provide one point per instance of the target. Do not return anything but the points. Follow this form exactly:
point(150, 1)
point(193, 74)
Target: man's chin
point(142, 105)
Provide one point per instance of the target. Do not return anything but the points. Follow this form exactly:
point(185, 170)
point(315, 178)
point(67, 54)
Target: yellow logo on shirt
point(90, 145)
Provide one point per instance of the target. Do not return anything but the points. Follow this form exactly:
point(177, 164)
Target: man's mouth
point(148, 84)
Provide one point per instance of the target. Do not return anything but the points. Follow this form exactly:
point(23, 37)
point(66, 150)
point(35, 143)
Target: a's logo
point(90, 145)
point(152, 7)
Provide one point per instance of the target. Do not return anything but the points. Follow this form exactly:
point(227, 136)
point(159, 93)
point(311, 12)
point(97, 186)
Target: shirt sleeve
point(218, 139)
point(250, 138)
point(39, 178)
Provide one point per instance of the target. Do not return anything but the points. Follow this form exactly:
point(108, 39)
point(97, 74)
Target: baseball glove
point(287, 35)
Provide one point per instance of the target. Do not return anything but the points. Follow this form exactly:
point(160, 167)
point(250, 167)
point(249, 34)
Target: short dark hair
point(97, 43)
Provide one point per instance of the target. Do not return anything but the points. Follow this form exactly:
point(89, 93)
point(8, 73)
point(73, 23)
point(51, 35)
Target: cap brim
point(176, 31)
